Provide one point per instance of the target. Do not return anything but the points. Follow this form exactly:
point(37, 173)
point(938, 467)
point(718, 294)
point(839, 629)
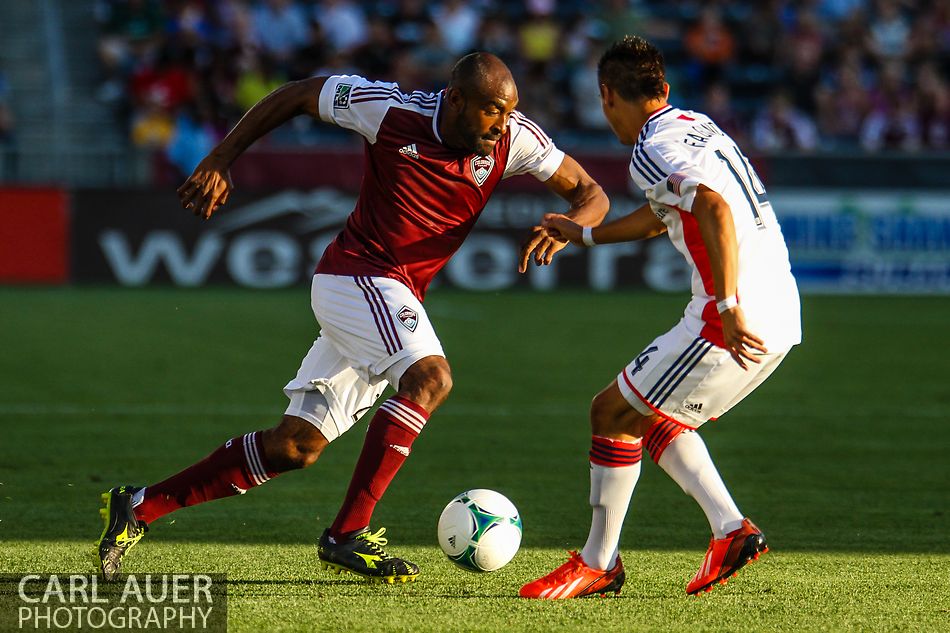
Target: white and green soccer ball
point(480, 530)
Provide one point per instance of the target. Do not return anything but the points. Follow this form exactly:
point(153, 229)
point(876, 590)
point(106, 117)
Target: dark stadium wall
point(839, 240)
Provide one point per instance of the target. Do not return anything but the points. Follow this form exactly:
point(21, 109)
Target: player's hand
point(740, 341)
point(542, 245)
point(207, 188)
point(561, 227)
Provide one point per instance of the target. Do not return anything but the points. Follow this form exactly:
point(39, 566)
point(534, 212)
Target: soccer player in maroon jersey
point(431, 163)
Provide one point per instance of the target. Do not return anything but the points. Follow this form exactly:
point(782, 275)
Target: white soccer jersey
point(678, 150)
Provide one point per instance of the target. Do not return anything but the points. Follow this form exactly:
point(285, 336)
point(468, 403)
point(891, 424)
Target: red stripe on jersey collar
point(659, 111)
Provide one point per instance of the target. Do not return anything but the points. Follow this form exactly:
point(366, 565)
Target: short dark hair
point(633, 68)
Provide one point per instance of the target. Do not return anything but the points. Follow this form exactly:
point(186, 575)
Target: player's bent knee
point(293, 444)
point(601, 415)
point(611, 415)
point(428, 382)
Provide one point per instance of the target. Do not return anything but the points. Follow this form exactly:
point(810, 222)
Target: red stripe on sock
point(659, 436)
point(614, 453)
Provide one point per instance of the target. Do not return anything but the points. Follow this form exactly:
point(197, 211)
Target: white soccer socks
point(686, 459)
point(614, 471)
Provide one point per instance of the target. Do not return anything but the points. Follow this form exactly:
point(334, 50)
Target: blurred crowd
point(778, 75)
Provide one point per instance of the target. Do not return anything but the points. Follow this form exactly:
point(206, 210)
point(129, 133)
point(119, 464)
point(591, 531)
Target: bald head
point(481, 74)
point(480, 97)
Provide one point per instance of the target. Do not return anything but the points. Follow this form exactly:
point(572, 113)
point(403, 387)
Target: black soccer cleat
point(362, 553)
point(121, 532)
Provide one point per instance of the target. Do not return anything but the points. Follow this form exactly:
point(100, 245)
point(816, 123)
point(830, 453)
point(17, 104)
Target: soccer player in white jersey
point(432, 160)
point(743, 319)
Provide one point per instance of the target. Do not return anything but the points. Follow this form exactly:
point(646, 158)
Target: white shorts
point(372, 329)
point(688, 380)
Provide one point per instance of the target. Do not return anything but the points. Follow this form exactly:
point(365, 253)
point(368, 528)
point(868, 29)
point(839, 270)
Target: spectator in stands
point(166, 82)
point(259, 77)
point(7, 136)
point(933, 107)
point(190, 23)
point(843, 102)
point(717, 104)
point(497, 36)
point(374, 58)
point(539, 35)
point(344, 24)
point(923, 43)
point(892, 122)
point(409, 22)
point(889, 31)
point(152, 124)
point(192, 138)
point(782, 127)
point(892, 125)
point(710, 44)
point(281, 28)
point(760, 34)
point(585, 92)
point(835, 58)
point(132, 31)
point(801, 52)
point(620, 18)
point(837, 10)
point(458, 24)
point(432, 56)
point(236, 31)
point(312, 56)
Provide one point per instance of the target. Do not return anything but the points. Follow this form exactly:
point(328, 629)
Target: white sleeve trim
point(550, 164)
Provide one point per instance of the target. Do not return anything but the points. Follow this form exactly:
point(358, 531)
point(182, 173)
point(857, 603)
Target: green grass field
point(841, 458)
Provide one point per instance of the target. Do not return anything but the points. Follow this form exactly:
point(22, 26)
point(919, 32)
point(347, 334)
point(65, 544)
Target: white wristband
point(727, 304)
point(587, 236)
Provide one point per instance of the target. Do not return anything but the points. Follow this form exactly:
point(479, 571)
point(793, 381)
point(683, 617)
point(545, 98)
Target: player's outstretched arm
point(639, 225)
point(589, 205)
point(210, 184)
point(718, 231)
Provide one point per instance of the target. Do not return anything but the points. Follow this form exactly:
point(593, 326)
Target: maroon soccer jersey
point(419, 199)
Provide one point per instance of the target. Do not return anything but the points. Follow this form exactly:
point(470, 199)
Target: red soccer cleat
point(728, 555)
point(574, 579)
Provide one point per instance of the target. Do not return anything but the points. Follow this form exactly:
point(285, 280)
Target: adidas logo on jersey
point(695, 407)
point(409, 150)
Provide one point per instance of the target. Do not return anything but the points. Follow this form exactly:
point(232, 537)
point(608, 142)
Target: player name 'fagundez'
point(166, 602)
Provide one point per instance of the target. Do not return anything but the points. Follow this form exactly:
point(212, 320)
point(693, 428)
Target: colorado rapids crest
point(481, 168)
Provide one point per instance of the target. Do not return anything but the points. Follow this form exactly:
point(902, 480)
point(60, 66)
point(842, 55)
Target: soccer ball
point(480, 530)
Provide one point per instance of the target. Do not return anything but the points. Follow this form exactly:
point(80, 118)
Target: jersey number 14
point(751, 186)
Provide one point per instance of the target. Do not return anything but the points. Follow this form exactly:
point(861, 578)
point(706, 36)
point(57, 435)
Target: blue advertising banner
point(883, 241)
